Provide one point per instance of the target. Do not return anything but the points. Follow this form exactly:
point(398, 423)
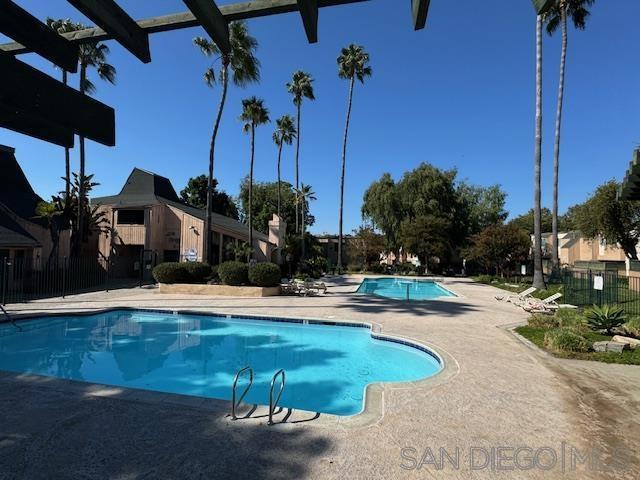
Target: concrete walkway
point(505, 410)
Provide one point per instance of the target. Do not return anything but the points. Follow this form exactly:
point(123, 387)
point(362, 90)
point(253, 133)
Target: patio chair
point(519, 297)
point(546, 305)
point(289, 288)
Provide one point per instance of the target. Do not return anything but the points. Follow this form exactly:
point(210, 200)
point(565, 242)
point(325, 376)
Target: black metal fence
point(25, 279)
point(585, 288)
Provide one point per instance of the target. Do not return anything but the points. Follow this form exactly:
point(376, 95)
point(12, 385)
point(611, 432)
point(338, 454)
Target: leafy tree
point(426, 236)
point(195, 194)
point(382, 206)
point(265, 198)
point(365, 246)
point(284, 134)
point(483, 206)
point(498, 247)
point(617, 221)
point(253, 115)
point(352, 63)
point(557, 18)
point(526, 220)
point(301, 87)
point(245, 68)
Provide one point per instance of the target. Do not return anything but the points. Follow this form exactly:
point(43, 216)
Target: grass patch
point(518, 288)
point(628, 357)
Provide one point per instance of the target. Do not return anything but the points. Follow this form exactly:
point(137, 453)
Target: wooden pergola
point(38, 105)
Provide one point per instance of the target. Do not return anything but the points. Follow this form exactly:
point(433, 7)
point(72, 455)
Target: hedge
point(233, 273)
point(198, 271)
point(265, 275)
point(170, 272)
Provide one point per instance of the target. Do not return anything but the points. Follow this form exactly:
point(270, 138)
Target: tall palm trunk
point(81, 192)
point(344, 161)
point(253, 135)
point(298, 162)
point(67, 160)
point(279, 189)
point(206, 248)
point(556, 153)
point(538, 274)
point(302, 245)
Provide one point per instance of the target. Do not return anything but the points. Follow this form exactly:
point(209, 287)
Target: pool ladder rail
point(273, 403)
point(10, 319)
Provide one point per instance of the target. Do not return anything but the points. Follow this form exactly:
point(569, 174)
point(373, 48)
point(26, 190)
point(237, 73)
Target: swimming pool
point(327, 366)
point(403, 289)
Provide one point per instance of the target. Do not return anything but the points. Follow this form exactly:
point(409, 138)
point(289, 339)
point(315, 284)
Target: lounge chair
point(546, 305)
point(309, 287)
point(289, 288)
point(519, 297)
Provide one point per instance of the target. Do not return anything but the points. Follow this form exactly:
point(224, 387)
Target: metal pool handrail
point(272, 404)
point(10, 319)
point(234, 403)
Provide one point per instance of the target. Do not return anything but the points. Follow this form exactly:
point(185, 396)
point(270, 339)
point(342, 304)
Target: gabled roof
point(15, 191)
point(143, 189)
point(12, 234)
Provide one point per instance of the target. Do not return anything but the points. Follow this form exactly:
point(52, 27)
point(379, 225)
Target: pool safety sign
point(598, 282)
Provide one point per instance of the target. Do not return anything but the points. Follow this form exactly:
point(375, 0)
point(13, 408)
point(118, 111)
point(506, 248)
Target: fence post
point(108, 260)
point(64, 276)
point(4, 280)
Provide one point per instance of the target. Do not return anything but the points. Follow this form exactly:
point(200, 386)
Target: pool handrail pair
point(272, 404)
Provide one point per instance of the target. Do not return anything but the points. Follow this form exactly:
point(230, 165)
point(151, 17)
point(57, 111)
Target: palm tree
point(304, 195)
point(63, 25)
point(301, 87)
point(352, 64)
point(245, 69)
point(538, 275)
point(557, 18)
point(253, 115)
point(285, 133)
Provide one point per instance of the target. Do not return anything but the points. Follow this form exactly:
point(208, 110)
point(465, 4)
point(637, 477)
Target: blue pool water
point(327, 367)
point(400, 288)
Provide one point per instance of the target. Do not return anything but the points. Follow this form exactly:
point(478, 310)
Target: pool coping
point(373, 410)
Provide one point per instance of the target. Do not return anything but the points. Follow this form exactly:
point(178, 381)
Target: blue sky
point(458, 94)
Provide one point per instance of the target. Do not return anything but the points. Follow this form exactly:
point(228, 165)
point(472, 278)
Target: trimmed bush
point(264, 275)
point(539, 320)
point(233, 273)
point(632, 327)
point(171, 272)
point(565, 340)
point(198, 271)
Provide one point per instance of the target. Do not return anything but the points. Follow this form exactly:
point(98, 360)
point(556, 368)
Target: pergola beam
point(27, 124)
point(176, 21)
point(213, 22)
point(108, 15)
point(420, 10)
point(36, 101)
point(309, 14)
point(23, 27)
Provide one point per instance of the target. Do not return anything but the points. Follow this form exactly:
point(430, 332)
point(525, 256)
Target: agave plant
point(605, 318)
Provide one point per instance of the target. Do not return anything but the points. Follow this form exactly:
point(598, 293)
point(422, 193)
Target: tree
point(284, 134)
point(352, 63)
point(426, 236)
point(304, 196)
point(63, 26)
point(616, 221)
point(195, 194)
point(246, 69)
point(557, 18)
point(382, 206)
point(366, 245)
point(526, 221)
point(253, 115)
point(301, 87)
point(538, 274)
point(498, 247)
point(265, 198)
point(482, 206)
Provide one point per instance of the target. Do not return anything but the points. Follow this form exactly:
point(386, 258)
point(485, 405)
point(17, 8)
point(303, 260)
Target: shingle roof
point(144, 188)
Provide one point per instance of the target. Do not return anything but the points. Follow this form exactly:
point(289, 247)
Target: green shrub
point(376, 268)
point(171, 272)
point(214, 274)
point(605, 318)
point(198, 271)
point(565, 340)
point(234, 273)
point(632, 326)
point(264, 275)
point(487, 279)
point(539, 320)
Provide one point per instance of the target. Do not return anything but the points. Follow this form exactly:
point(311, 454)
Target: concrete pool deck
point(500, 398)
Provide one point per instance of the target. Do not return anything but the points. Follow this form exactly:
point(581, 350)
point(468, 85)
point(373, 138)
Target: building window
point(130, 217)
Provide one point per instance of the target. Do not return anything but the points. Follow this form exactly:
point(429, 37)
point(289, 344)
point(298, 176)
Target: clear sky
point(457, 94)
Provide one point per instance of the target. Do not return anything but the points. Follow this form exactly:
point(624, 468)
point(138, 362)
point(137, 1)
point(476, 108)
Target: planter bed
point(219, 290)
